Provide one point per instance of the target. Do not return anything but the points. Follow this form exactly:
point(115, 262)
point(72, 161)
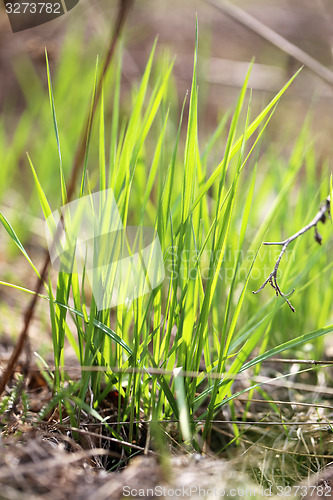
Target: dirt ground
point(47, 471)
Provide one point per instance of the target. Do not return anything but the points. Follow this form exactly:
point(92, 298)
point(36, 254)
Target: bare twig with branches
point(272, 278)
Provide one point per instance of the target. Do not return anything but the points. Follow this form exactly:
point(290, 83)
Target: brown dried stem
point(124, 6)
point(272, 278)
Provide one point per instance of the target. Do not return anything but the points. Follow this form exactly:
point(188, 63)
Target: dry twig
point(272, 278)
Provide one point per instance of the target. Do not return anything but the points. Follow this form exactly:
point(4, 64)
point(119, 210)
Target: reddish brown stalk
point(124, 6)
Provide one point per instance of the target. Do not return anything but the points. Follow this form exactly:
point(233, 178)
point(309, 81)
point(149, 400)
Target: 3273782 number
point(315, 491)
point(33, 8)
point(26, 14)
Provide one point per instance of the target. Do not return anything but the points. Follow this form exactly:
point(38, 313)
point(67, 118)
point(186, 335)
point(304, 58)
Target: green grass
point(211, 220)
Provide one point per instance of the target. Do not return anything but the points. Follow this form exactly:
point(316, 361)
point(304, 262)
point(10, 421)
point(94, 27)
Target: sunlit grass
point(174, 353)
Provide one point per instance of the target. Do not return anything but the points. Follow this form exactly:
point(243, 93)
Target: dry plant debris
point(37, 466)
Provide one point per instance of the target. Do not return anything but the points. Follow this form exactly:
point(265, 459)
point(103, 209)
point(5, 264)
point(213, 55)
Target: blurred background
point(226, 48)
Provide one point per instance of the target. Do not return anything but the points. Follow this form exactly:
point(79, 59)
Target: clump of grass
point(173, 354)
